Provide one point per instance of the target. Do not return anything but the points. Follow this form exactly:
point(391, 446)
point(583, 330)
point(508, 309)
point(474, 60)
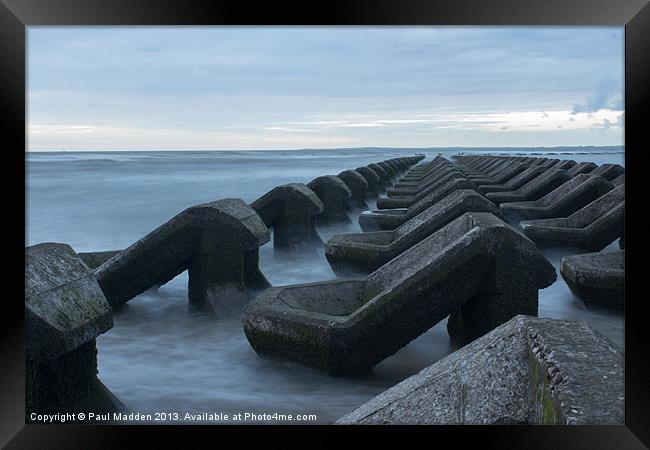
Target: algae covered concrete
point(597, 278)
point(477, 264)
point(216, 242)
point(334, 194)
point(65, 306)
point(592, 227)
point(526, 371)
point(291, 210)
point(65, 310)
point(365, 252)
point(563, 201)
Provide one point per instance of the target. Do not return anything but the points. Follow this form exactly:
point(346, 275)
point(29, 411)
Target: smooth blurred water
point(162, 357)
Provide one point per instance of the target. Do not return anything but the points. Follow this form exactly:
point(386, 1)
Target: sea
point(163, 360)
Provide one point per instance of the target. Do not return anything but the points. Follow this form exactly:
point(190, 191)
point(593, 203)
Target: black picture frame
point(16, 15)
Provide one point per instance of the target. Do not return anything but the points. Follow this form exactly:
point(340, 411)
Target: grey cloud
point(606, 125)
point(608, 95)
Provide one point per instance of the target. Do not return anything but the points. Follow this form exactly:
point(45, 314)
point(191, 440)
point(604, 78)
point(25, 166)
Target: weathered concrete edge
point(603, 406)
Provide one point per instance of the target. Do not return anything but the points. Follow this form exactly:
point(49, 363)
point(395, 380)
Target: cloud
point(290, 129)
point(606, 125)
point(247, 87)
point(608, 95)
point(363, 124)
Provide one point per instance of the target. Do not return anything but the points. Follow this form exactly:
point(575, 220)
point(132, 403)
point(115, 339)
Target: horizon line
point(324, 148)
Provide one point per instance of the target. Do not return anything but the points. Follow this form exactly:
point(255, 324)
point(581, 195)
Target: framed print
point(409, 216)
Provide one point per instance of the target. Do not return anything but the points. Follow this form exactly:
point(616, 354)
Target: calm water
point(162, 357)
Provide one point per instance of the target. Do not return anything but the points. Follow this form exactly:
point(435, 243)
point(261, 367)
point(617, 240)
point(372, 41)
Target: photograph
point(325, 224)
point(281, 225)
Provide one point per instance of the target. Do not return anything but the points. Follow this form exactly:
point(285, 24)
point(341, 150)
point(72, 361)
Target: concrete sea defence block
point(389, 219)
point(411, 186)
point(582, 167)
point(493, 166)
point(416, 178)
point(404, 201)
point(65, 310)
point(514, 183)
point(218, 243)
point(401, 163)
point(375, 186)
point(354, 253)
point(385, 219)
point(95, 259)
point(291, 210)
point(471, 164)
point(68, 384)
point(358, 187)
point(437, 178)
point(546, 163)
point(385, 176)
point(562, 201)
point(394, 165)
point(527, 371)
point(564, 164)
point(482, 170)
point(334, 194)
point(609, 171)
point(65, 306)
point(619, 180)
point(387, 168)
point(421, 171)
point(482, 162)
point(534, 189)
point(477, 264)
point(403, 187)
point(509, 172)
point(597, 278)
point(592, 227)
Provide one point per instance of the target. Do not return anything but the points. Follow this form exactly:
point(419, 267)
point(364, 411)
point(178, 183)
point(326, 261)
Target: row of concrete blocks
point(593, 208)
point(525, 371)
point(218, 243)
point(363, 314)
point(293, 210)
point(598, 278)
point(583, 206)
point(524, 383)
point(350, 189)
point(448, 197)
point(69, 297)
point(455, 259)
point(535, 192)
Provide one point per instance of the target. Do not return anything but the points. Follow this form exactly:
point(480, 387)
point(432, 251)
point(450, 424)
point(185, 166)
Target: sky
point(256, 88)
